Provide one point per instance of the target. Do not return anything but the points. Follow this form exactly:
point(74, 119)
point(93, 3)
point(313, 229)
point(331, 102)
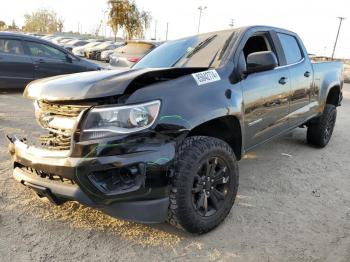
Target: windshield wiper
point(222, 51)
point(227, 42)
point(200, 46)
point(197, 48)
point(213, 59)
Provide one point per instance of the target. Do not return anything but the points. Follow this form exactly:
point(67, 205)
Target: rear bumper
point(144, 199)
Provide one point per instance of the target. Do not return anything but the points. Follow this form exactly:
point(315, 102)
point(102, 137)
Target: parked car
point(80, 50)
point(104, 55)
point(66, 40)
point(36, 34)
point(60, 39)
point(48, 37)
point(132, 52)
point(25, 58)
point(162, 140)
point(92, 53)
point(74, 43)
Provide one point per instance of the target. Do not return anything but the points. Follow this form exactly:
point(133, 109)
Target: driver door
point(48, 61)
point(265, 95)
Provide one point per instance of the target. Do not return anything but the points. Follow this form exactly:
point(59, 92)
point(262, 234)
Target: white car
point(106, 55)
point(79, 51)
point(61, 40)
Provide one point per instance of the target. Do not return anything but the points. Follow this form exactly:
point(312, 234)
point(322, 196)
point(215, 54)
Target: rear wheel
point(320, 131)
point(205, 184)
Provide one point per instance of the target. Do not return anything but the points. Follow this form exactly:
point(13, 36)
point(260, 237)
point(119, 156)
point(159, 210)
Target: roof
point(20, 35)
point(241, 29)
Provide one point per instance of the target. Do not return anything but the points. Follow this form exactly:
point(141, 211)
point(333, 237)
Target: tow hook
point(11, 146)
point(11, 138)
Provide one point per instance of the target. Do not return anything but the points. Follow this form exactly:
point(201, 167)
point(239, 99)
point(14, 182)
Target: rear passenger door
point(48, 61)
point(301, 78)
point(16, 67)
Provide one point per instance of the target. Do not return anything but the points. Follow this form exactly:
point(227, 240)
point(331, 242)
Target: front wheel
point(320, 131)
point(205, 184)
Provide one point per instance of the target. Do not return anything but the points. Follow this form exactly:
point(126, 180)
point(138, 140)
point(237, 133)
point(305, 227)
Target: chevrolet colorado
point(161, 141)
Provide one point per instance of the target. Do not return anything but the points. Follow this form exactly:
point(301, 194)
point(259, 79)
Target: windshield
point(194, 51)
point(72, 42)
point(65, 40)
point(104, 45)
point(92, 44)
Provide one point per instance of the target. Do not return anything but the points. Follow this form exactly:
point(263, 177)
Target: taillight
point(133, 59)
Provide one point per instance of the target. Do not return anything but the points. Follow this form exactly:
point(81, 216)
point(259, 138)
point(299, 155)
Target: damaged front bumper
point(128, 180)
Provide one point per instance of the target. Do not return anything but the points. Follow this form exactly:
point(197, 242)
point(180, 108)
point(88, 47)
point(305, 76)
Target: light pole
point(167, 31)
point(336, 39)
point(201, 9)
point(155, 29)
point(232, 22)
point(105, 22)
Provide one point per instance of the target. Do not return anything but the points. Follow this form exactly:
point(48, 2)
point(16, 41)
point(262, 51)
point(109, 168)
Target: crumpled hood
point(85, 85)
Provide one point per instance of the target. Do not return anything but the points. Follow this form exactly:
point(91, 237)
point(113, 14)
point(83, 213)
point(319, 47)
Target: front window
point(196, 51)
point(46, 51)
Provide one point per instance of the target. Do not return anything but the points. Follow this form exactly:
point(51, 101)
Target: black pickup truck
point(161, 141)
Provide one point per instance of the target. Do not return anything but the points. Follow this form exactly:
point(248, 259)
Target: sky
point(315, 21)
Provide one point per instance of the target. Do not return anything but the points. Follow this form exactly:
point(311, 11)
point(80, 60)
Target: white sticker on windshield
point(206, 77)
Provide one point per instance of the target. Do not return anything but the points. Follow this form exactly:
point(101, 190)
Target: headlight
point(108, 121)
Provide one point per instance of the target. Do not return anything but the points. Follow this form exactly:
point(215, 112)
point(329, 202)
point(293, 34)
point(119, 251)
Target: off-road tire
point(182, 212)
point(320, 131)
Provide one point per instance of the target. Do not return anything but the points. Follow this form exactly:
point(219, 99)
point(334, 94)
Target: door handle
point(41, 61)
point(307, 74)
point(283, 81)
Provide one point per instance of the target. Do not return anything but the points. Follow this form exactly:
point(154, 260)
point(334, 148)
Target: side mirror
point(69, 59)
point(261, 61)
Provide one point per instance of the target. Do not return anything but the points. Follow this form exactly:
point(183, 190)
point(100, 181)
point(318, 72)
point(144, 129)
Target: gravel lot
point(293, 205)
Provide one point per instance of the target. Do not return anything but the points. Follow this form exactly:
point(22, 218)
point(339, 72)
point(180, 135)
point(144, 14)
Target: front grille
point(63, 110)
point(51, 177)
point(55, 141)
point(60, 121)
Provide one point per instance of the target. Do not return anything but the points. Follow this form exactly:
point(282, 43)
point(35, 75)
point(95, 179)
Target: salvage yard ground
point(293, 205)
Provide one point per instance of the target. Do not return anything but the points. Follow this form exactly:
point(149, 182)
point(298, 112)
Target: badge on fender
point(206, 77)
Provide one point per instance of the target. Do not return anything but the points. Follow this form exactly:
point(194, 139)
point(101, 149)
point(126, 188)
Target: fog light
point(119, 180)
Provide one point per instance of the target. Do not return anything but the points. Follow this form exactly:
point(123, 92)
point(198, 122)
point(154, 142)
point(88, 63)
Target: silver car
point(132, 52)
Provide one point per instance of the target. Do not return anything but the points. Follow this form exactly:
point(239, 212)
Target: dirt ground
point(293, 205)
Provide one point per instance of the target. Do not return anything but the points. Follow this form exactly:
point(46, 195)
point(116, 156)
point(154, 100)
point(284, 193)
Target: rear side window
point(291, 48)
point(10, 46)
point(46, 51)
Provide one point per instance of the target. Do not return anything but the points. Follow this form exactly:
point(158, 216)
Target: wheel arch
point(333, 95)
point(226, 128)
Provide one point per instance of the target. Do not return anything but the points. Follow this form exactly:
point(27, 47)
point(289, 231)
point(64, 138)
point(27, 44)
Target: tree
point(133, 21)
point(2, 25)
point(43, 21)
point(118, 14)
point(146, 19)
point(13, 26)
point(125, 15)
